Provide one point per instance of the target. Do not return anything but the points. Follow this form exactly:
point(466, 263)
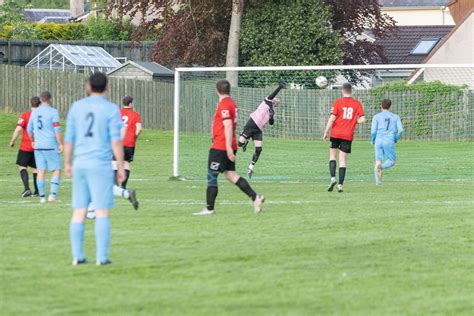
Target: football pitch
point(405, 248)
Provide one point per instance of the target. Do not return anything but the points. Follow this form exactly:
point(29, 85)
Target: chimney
point(76, 7)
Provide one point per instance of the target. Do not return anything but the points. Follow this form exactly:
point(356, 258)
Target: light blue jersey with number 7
point(92, 124)
point(386, 127)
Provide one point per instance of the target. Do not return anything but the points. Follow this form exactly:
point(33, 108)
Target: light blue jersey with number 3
point(92, 124)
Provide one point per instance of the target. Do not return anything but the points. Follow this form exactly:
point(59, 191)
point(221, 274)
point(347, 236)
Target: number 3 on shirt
point(347, 115)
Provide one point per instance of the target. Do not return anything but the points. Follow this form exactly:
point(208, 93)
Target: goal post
point(442, 111)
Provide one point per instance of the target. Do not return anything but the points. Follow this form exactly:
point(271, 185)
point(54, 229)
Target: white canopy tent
point(72, 58)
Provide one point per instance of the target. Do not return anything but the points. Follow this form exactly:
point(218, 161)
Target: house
point(418, 12)
point(57, 16)
point(140, 70)
point(457, 47)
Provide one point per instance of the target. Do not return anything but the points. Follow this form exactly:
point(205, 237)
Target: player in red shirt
point(133, 127)
point(224, 147)
point(346, 113)
point(26, 156)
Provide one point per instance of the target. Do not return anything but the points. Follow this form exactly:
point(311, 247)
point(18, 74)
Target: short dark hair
point(347, 87)
point(45, 96)
point(223, 87)
point(98, 82)
point(127, 100)
point(35, 102)
point(386, 104)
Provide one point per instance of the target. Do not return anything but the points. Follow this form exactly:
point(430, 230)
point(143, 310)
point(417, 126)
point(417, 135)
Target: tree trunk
point(232, 59)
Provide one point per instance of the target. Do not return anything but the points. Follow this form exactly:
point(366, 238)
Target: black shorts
point(251, 130)
point(26, 159)
point(341, 144)
point(128, 153)
point(218, 161)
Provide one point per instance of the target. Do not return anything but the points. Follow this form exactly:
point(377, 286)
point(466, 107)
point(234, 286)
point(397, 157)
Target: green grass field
point(406, 248)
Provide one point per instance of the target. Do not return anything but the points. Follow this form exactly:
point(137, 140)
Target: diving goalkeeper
point(265, 113)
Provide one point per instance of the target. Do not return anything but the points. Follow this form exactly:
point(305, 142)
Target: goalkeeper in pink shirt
point(265, 113)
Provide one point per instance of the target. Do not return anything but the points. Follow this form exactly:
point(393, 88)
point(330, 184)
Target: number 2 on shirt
point(347, 113)
point(125, 120)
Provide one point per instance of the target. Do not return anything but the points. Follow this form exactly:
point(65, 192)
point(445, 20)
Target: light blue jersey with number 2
point(92, 124)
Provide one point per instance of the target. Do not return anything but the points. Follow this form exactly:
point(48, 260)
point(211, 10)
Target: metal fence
point(302, 114)
point(20, 52)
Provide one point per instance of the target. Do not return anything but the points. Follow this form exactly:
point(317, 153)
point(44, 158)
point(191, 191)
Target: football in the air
point(321, 82)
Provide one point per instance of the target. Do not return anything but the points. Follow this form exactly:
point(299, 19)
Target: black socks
point(211, 195)
point(35, 176)
point(332, 168)
point(24, 178)
point(256, 155)
point(127, 175)
point(245, 187)
point(342, 174)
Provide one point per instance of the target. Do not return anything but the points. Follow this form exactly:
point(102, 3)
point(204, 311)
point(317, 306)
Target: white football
point(321, 82)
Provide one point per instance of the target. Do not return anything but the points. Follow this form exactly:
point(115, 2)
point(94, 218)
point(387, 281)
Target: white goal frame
point(419, 68)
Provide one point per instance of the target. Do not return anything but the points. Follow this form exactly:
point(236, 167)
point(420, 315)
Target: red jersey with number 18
point(226, 110)
point(347, 111)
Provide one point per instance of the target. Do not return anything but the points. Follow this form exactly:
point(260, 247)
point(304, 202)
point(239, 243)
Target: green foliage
point(433, 102)
point(101, 29)
point(294, 33)
point(70, 31)
point(11, 12)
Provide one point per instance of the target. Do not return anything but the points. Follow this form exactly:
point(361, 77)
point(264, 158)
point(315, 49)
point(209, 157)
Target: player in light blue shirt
point(386, 130)
point(45, 134)
point(93, 135)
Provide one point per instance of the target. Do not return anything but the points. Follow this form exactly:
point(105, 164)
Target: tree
point(232, 59)
point(351, 19)
point(289, 33)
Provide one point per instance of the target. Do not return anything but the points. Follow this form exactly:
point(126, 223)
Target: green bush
point(101, 29)
point(429, 103)
point(61, 32)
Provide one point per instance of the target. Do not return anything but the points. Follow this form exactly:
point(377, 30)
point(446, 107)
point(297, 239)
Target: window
point(424, 46)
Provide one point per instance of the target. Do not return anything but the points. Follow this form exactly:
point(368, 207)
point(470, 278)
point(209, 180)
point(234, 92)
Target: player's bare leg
point(378, 172)
point(76, 231)
point(332, 168)
point(342, 170)
point(243, 185)
point(256, 155)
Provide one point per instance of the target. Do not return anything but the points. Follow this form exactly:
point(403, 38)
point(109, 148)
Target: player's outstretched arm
point(331, 120)
point(16, 134)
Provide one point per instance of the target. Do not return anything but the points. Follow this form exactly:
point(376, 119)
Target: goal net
point(435, 103)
